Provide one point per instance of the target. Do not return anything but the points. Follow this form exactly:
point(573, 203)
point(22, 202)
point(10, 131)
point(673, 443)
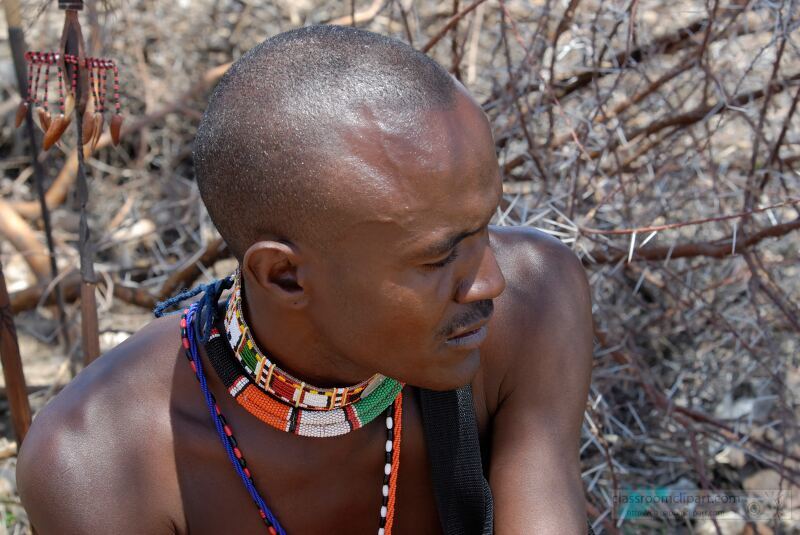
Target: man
point(354, 180)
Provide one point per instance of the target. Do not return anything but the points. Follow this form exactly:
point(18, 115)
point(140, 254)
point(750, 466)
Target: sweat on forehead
point(266, 148)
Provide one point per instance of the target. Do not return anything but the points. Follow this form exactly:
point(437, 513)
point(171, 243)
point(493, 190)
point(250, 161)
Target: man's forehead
point(408, 153)
point(424, 226)
point(400, 176)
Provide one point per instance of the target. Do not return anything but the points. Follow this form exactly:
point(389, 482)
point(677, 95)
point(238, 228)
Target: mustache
point(478, 311)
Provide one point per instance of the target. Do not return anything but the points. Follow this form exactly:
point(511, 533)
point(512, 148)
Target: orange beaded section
point(265, 408)
point(398, 422)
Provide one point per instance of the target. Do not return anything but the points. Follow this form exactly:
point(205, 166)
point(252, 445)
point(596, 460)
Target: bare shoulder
point(527, 255)
point(98, 458)
point(546, 307)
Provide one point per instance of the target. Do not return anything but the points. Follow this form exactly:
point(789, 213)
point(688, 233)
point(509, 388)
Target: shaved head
point(354, 180)
point(269, 157)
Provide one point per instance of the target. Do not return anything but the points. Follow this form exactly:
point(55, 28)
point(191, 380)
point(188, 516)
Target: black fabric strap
point(463, 496)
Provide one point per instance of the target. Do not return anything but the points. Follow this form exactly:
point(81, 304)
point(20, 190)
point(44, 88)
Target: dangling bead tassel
point(98, 128)
point(55, 131)
point(22, 112)
point(44, 118)
point(61, 122)
point(88, 127)
point(116, 121)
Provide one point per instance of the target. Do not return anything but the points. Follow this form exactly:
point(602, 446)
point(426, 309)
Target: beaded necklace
point(276, 382)
point(216, 349)
point(286, 403)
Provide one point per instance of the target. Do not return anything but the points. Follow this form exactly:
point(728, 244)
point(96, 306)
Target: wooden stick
point(72, 44)
point(90, 334)
point(16, 390)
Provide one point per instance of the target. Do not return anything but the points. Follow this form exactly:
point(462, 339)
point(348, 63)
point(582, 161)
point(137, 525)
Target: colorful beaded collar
point(271, 379)
point(219, 353)
point(286, 403)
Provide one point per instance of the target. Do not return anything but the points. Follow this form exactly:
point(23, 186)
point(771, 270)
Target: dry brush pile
point(659, 140)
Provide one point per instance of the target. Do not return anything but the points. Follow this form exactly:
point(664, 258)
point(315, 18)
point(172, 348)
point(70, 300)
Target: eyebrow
point(440, 248)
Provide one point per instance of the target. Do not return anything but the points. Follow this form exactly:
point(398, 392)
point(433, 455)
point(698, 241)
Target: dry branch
point(22, 237)
point(450, 24)
point(717, 249)
point(184, 276)
point(190, 271)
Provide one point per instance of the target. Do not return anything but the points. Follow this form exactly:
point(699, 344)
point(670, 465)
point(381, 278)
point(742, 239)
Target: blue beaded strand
point(211, 403)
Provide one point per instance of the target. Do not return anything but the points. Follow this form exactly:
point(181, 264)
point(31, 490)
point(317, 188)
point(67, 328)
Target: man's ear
point(276, 267)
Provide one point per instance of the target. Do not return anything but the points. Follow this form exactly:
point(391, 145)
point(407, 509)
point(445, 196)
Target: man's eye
point(441, 263)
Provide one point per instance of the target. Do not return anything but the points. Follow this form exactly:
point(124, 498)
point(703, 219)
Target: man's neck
point(295, 347)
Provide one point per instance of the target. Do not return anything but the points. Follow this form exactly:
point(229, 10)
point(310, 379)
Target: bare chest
point(312, 485)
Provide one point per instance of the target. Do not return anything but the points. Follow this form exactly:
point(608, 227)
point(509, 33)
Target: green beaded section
point(371, 406)
point(248, 355)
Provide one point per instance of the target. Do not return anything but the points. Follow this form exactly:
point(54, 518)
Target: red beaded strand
point(117, 106)
point(46, 82)
point(103, 82)
point(73, 61)
point(60, 90)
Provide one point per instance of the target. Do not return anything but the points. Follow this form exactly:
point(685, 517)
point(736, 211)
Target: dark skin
point(128, 446)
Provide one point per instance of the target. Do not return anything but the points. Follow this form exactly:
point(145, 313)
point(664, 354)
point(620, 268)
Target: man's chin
point(450, 377)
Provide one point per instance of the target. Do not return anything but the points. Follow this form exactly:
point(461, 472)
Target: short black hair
point(261, 145)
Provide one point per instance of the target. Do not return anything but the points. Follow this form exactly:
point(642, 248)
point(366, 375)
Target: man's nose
point(487, 283)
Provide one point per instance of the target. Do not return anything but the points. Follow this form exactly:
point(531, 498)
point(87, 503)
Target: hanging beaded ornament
point(218, 352)
point(93, 120)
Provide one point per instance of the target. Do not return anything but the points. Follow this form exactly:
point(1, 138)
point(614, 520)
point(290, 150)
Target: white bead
point(386, 490)
point(383, 511)
point(387, 469)
point(389, 422)
point(380, 531)
point(388, 445)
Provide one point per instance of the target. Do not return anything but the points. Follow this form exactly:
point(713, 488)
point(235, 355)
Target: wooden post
point(16, 388)
point(72, 43)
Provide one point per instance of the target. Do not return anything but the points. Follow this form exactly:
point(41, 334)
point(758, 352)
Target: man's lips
point(469, 330)
point(471, 339)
